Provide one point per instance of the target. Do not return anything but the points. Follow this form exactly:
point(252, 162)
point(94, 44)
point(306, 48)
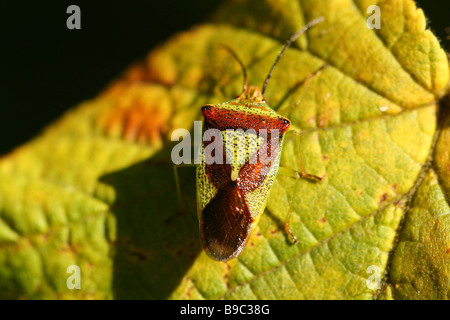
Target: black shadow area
point(156, 243)
point(47, 68)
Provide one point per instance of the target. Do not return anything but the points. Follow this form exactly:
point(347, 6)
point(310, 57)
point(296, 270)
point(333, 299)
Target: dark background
point(47, 69)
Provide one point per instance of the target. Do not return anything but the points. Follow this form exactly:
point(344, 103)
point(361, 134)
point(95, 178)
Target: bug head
point(252, 94)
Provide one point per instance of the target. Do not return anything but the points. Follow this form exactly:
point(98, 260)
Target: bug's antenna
point(287, 44)
point(235, 56)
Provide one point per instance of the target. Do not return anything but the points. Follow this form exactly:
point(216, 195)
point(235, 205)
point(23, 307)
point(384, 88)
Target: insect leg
point(177, 182)
point(296, 175)
point(305, 83)
point(302, 172)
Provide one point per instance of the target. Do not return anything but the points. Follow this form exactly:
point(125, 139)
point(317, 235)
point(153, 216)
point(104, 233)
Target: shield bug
point(232, 195)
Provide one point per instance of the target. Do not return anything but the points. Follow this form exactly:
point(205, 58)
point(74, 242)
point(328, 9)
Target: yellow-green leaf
point(96, 189)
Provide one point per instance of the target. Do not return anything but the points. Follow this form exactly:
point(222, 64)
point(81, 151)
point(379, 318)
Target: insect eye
point(206, 109)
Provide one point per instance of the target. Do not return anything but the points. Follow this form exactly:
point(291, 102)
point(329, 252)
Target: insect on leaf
point(96, 188)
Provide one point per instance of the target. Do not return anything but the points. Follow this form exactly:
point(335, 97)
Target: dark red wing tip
point(286, 124)
point(286, 121)
point(222, 255)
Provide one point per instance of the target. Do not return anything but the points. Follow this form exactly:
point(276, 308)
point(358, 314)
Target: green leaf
point(96, 189)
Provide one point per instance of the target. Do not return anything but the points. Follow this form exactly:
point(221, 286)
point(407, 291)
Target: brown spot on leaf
point(140, 113)
point(135, 252)
point(383, 198)
point(322, 122)
point(400, 204)
point(45, 236)
point(136, 73)
point(273, 232)
point(189, 289)
point(138, 254)
point(226, 276)
point(68, 248)
point(323, 220)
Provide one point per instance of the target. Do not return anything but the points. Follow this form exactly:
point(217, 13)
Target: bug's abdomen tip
point(225, 224)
